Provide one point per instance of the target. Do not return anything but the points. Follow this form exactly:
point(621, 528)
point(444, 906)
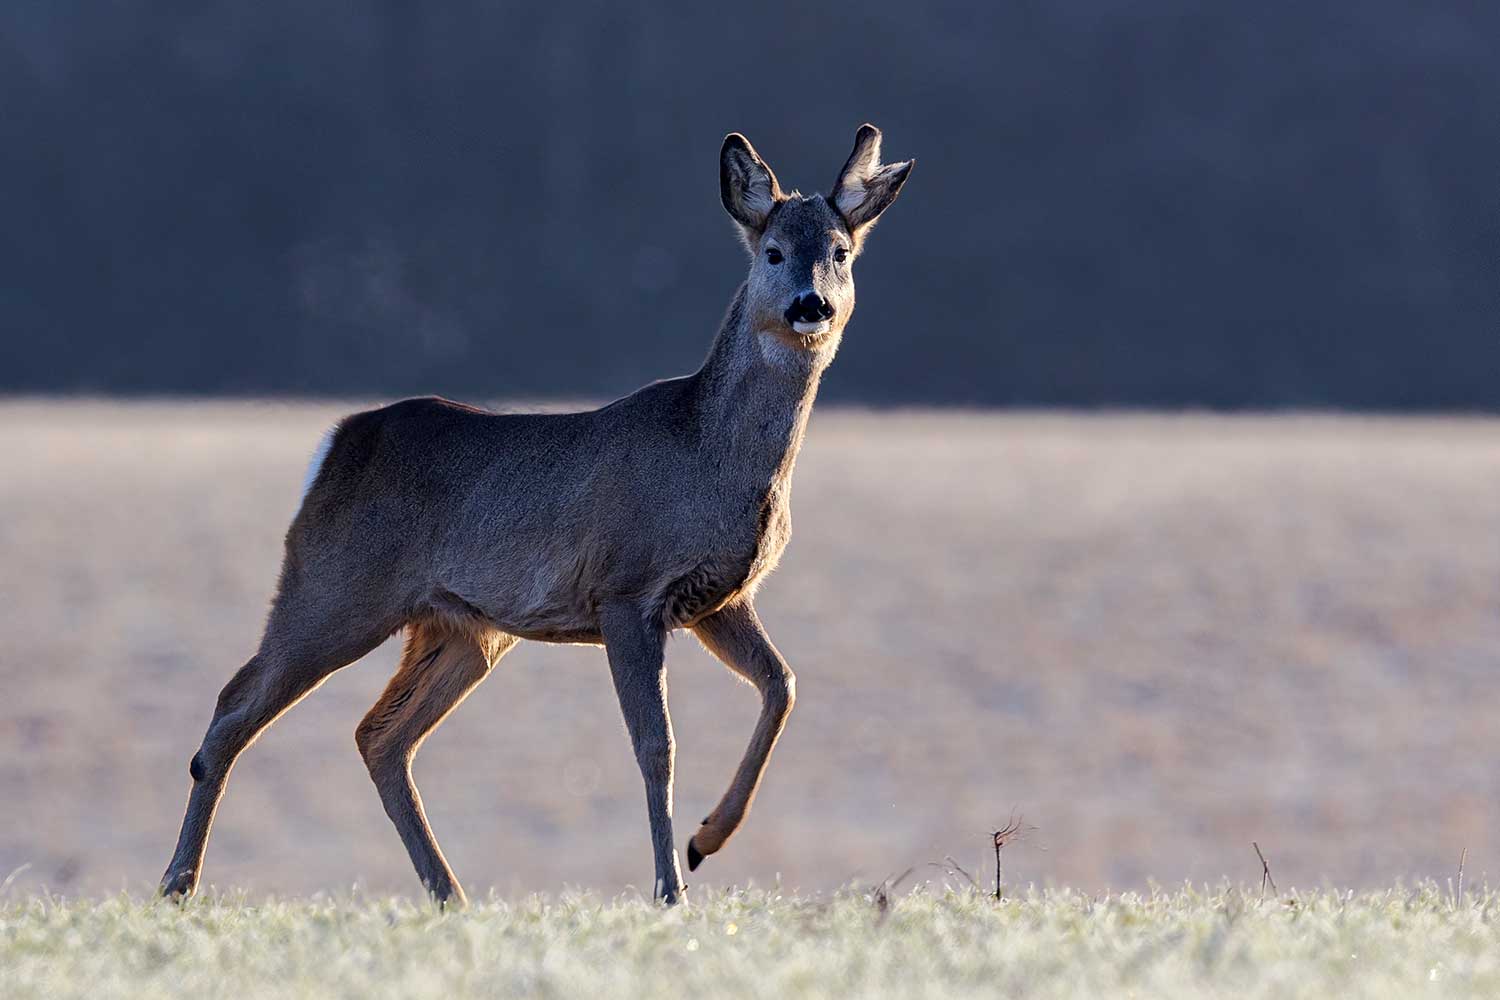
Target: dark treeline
point(1163, 202)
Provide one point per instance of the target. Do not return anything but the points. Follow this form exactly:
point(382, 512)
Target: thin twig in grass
point(12, 876)
point(1015, 829)
point(882, 895)
point(953, 867)
point(1265, 871)
point(1458, 896)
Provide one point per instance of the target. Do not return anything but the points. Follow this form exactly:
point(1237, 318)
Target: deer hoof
point(695, 857)
point(180, 886)
point(670, 897)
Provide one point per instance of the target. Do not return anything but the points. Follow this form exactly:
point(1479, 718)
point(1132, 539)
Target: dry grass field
point(1193, 944)
point(1157, 637)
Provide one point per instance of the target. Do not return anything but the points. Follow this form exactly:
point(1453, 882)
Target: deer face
point(801, 284)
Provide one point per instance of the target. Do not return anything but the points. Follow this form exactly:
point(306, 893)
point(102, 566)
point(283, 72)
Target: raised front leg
point(635, 648)
point(734, 634)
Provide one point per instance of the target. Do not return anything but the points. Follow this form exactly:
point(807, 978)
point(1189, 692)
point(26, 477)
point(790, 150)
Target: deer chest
point(737, 563)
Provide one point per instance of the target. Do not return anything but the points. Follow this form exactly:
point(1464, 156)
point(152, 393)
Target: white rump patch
point(316, 465)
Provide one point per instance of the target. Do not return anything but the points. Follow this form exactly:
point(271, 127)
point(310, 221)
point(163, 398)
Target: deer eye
point(841, 254)
point(773, 256)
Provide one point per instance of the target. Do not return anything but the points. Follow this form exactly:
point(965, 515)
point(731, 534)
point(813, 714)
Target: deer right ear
point(747, 186)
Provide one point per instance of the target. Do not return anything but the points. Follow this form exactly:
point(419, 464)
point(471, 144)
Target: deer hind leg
point(439, 667)
point(735, 635)
point(302, 646)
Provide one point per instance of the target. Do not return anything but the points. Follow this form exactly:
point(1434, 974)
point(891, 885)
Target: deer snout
point(809, 313)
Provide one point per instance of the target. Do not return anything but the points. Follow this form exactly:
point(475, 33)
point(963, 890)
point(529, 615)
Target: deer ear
point(866, 187)
point(747, 186)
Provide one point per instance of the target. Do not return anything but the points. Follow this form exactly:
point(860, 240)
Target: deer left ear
point(866, 187)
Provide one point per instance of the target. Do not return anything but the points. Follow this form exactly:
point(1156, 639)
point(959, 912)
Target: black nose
point(809, 307)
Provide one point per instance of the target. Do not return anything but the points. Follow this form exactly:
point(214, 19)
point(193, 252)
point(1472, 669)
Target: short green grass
point(1190, 943)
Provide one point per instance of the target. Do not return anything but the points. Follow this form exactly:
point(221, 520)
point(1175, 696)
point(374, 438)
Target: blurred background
point(1152, 496)
point(1160, 203)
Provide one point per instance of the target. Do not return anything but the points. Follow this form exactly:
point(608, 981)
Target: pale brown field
point(1159, 638)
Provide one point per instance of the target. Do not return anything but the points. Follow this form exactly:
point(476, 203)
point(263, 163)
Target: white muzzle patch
point(813, 329)
point(316, 465)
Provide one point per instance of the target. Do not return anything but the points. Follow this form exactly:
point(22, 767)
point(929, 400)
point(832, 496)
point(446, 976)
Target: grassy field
point(1157, 637)
point(756, 944)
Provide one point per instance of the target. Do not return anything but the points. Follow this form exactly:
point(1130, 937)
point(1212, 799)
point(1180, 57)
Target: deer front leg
point(734, 634)
point(636, 647)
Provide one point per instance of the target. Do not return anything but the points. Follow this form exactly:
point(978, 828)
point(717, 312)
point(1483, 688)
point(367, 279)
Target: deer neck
point(754, 396)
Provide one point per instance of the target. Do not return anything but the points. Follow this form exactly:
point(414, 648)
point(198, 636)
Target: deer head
point(801, 284)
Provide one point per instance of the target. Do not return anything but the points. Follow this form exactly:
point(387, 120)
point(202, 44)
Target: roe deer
point(473, 530)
